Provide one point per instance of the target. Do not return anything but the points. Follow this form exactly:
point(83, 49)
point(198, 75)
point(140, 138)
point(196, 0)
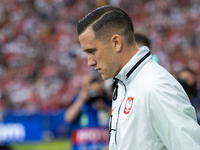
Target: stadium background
point(41, 63)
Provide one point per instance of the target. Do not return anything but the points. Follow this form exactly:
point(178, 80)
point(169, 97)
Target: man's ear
point(117, 42)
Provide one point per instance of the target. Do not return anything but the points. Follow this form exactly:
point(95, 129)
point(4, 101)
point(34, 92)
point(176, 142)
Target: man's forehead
point(87, 39)
point(89, 33)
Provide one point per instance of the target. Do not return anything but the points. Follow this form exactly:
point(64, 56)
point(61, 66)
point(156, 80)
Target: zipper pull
point(115, 94)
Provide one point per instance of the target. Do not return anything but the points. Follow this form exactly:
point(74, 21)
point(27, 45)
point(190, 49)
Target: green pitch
point(63, 144)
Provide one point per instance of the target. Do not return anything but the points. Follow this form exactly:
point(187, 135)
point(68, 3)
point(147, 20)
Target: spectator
point(188, 79)
point(142, 40)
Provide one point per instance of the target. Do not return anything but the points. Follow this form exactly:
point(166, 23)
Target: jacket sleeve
point(173, 118)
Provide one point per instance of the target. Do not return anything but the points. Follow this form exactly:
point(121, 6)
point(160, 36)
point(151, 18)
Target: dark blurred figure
point(188, 79)
point(142, 40)
point(89, 113)
point(5, 147)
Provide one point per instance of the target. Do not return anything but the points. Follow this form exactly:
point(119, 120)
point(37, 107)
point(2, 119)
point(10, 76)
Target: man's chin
point(105, 77)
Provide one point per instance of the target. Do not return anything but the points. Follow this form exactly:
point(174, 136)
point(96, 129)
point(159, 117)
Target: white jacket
point(151, 110)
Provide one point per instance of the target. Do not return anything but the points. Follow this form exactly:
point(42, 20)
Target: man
point(142, 40)
point(150, 110)
point(188, 79)
point(89, 114)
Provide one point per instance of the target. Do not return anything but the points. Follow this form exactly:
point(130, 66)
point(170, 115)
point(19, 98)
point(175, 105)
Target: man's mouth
point(98, 70)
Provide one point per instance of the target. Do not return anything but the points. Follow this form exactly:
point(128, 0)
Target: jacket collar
point(130, 70)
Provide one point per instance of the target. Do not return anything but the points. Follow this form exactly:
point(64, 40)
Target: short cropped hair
point(108, 20)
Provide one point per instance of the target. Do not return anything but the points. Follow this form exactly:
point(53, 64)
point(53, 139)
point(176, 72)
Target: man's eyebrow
point(89, 50)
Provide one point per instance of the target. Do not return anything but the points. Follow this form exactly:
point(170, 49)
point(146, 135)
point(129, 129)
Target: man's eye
point(91, 52)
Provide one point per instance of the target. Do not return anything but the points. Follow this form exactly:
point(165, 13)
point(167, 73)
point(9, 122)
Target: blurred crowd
point(42, 64)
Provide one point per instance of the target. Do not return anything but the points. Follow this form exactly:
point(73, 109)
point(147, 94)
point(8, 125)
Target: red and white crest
point(128, 105)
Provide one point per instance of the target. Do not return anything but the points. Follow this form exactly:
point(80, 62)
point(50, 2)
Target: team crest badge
point(128, 105)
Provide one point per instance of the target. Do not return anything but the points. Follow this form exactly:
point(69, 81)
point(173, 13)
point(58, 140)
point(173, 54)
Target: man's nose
point(91, 62)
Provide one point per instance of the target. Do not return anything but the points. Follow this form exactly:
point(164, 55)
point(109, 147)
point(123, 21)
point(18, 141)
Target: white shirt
point(151, 110)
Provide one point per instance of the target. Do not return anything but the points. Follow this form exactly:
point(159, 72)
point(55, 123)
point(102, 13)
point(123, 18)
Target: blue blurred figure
point(89, 113)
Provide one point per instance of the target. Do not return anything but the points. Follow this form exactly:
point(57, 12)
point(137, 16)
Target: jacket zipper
point(118, 114)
